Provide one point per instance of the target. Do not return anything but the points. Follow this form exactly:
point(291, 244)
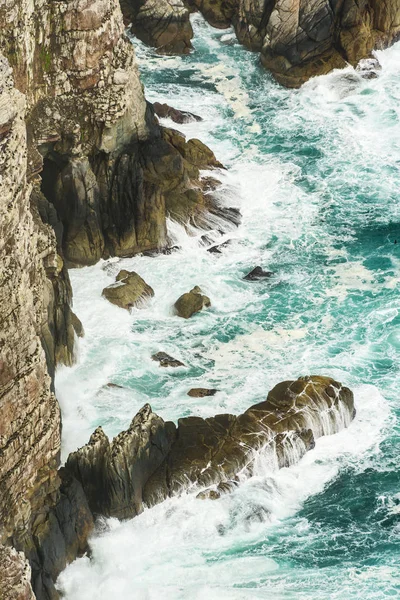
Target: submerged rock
point(166, 360)
point(369, 68)
point(201, 392)
point(154, 460)
point(191, 302)
point(178, 116)
point(257, 273)
point(129, 291)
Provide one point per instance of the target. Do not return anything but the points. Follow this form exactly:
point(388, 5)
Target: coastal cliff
point(86, 172)
point(297, 39)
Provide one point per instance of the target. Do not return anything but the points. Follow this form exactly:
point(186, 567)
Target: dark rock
point(178, 116)
point(201, 392)
point(257, 273)
point(163, 24)
point(166, 360)
point(217, 249)
point(190, 303)
point(113, 474)
point(154, 460)
point(129, 290)
point(114, 385)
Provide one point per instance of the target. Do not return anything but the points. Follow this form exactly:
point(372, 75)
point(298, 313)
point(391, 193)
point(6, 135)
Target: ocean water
point(316, 175)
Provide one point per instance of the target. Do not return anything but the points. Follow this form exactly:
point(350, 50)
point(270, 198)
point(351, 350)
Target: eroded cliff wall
point(85, 172)
point(298, 39)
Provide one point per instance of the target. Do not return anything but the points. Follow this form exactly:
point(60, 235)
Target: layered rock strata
point(85, 172)
point(298, 39)
point(153, 460)
point(15, 576)
point(163, 24)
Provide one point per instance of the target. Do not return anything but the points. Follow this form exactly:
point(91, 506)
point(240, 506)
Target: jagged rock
point(166, 360)
point(129, 291)
point(217, 248)
point(15, 576)
point(190, 303)
point(113, 474)
point(163, 24)
point(299, 40)
point(201, 392)
point(208, 495)
point(154, 460)
point(178, 116)
point(257, 273)
point(207, 452)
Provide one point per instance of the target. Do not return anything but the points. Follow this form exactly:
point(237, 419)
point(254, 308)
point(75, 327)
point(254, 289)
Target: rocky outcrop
point(163, 24)
point(85, 172)
point(129, 290)
point(166, 360)
point(165, 111)
point(153, 460)
point(298, 39)
point(190, 303)
point(15, 576)
point(114, 474)
point(257, 273)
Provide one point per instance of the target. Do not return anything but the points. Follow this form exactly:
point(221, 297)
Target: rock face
point(15, 576)
point(190, 303)
point(129, 290)
point(36, 332)
point(163, 24)
point(154, 460)
point(114, 474)
point(85, 172)
point(298, 39)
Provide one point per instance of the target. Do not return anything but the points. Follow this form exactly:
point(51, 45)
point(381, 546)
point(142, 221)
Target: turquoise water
point(316, 175)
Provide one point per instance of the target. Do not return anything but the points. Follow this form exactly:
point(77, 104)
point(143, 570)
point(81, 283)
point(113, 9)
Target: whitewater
point(315, 173)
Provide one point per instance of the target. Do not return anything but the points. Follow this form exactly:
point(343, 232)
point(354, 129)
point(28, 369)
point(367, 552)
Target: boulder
point(129, 290)
point(177, 116)
point(257, 273)
point(201, 392)
point(191, 302)
point(166, 360)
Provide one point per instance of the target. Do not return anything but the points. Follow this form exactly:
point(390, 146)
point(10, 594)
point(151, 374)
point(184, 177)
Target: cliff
point(298, 39)
point(85, 172)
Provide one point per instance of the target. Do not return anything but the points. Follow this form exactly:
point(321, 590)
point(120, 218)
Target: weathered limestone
point(153, 460)
point(15, 576)
point(36, 332)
